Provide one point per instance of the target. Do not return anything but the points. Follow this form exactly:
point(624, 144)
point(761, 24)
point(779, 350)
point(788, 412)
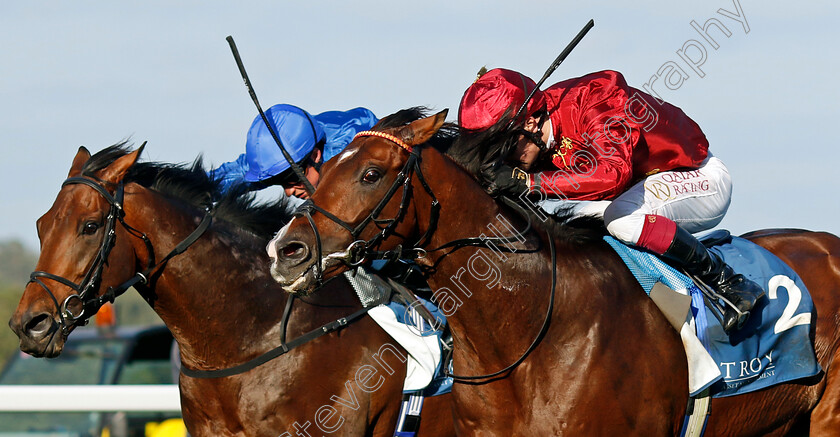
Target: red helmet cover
point(493, 94)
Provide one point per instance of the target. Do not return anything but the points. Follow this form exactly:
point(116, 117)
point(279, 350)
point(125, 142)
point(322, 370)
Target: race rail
point(75, 398)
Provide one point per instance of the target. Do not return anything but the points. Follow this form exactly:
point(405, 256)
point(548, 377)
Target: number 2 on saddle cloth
point(773, 346)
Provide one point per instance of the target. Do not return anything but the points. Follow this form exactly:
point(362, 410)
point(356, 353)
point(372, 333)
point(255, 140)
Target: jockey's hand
point(511, 181)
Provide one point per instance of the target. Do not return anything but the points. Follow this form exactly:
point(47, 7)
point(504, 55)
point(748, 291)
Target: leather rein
point(360, 251)
point(85, 295)
point(86, 289)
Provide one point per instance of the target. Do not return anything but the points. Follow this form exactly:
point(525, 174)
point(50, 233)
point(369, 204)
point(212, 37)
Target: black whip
point(560, 58)
point(296, 168)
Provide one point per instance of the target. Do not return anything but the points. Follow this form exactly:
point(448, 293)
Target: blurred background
point(94, 73)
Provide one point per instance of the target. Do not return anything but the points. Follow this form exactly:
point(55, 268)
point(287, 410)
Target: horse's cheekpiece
point(773, 346)
point(359, 251)
point(78, 308)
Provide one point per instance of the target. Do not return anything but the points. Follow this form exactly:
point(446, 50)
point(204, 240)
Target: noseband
point(360, 251)
point(90, 284)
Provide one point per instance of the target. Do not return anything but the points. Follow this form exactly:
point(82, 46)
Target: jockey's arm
point(594, 159)
point(233, 173)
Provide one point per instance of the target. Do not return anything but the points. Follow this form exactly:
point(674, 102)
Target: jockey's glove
point(510, 181)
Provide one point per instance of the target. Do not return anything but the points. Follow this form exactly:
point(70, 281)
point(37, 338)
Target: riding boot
point(690, 254)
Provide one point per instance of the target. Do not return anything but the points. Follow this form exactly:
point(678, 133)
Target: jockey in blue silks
point(311, 141)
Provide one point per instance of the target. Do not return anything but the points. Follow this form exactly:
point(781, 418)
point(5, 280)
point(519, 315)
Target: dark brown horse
point(220, 303)
point(609, 362)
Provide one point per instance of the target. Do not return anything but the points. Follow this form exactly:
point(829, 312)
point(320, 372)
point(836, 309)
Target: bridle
point(360, 251)
point(88, 302)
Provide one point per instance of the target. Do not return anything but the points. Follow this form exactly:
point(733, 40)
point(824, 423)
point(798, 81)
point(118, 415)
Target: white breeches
point(696, 200)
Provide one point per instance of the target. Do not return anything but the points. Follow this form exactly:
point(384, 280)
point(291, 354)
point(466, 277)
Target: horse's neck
point(217, 297)
point(480, 287)
point(496, 301)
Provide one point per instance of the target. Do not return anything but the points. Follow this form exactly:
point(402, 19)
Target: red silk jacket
point(608, 135)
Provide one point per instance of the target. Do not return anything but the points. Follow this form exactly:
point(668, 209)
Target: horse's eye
point(371, 176)
point(90, 228)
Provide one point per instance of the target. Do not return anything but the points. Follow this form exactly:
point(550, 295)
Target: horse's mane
point(191, 184)
point(441, 140)
point(478, 152)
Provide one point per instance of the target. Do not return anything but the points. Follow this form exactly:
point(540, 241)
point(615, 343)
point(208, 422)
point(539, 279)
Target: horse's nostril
point(293, 250)
point(38, 324)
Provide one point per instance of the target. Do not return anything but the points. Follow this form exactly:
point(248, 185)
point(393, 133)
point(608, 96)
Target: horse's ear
point(78, 162)
point(116, 171)
point(418, 132)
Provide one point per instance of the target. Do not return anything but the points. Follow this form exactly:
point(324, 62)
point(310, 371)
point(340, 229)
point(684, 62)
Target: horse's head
point(364, 205)
point(77, 250)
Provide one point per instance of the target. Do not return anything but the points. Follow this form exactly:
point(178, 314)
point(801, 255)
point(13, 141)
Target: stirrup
point(712, 299)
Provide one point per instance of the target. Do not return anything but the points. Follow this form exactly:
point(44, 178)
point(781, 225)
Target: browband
point(395, 140)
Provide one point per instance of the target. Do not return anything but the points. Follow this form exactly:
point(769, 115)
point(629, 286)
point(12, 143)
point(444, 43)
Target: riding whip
point(560, 58)
point(296, 168)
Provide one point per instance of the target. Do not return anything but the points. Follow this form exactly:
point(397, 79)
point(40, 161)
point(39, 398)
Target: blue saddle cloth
point(774, 346)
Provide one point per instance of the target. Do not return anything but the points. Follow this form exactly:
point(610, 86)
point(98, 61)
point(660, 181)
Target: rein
point(284, 346)
point(540, 334)
point(359, 251)
point(86, 289)
point(90, 303)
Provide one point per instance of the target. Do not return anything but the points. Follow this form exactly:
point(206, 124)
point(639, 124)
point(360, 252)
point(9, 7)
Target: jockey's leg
point(660, 213)
point(687, 252)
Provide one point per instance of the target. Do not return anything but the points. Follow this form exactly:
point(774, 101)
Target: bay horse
point(219, 301)
point(607, 363)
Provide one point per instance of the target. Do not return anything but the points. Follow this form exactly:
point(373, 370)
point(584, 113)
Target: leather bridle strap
point(360, 247)
point(143, 277)
point(418, 252)
point(478, 379)
point(91, 281)
point(284, 347)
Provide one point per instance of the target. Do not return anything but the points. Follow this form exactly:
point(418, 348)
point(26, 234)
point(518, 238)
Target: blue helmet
point(298, 132)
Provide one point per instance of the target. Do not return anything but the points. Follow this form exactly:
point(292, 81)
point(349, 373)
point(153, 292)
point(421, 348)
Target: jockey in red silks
point(643, 163)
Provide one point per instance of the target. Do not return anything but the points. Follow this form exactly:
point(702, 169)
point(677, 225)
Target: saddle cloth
point(424, 364)
point(773, 347)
